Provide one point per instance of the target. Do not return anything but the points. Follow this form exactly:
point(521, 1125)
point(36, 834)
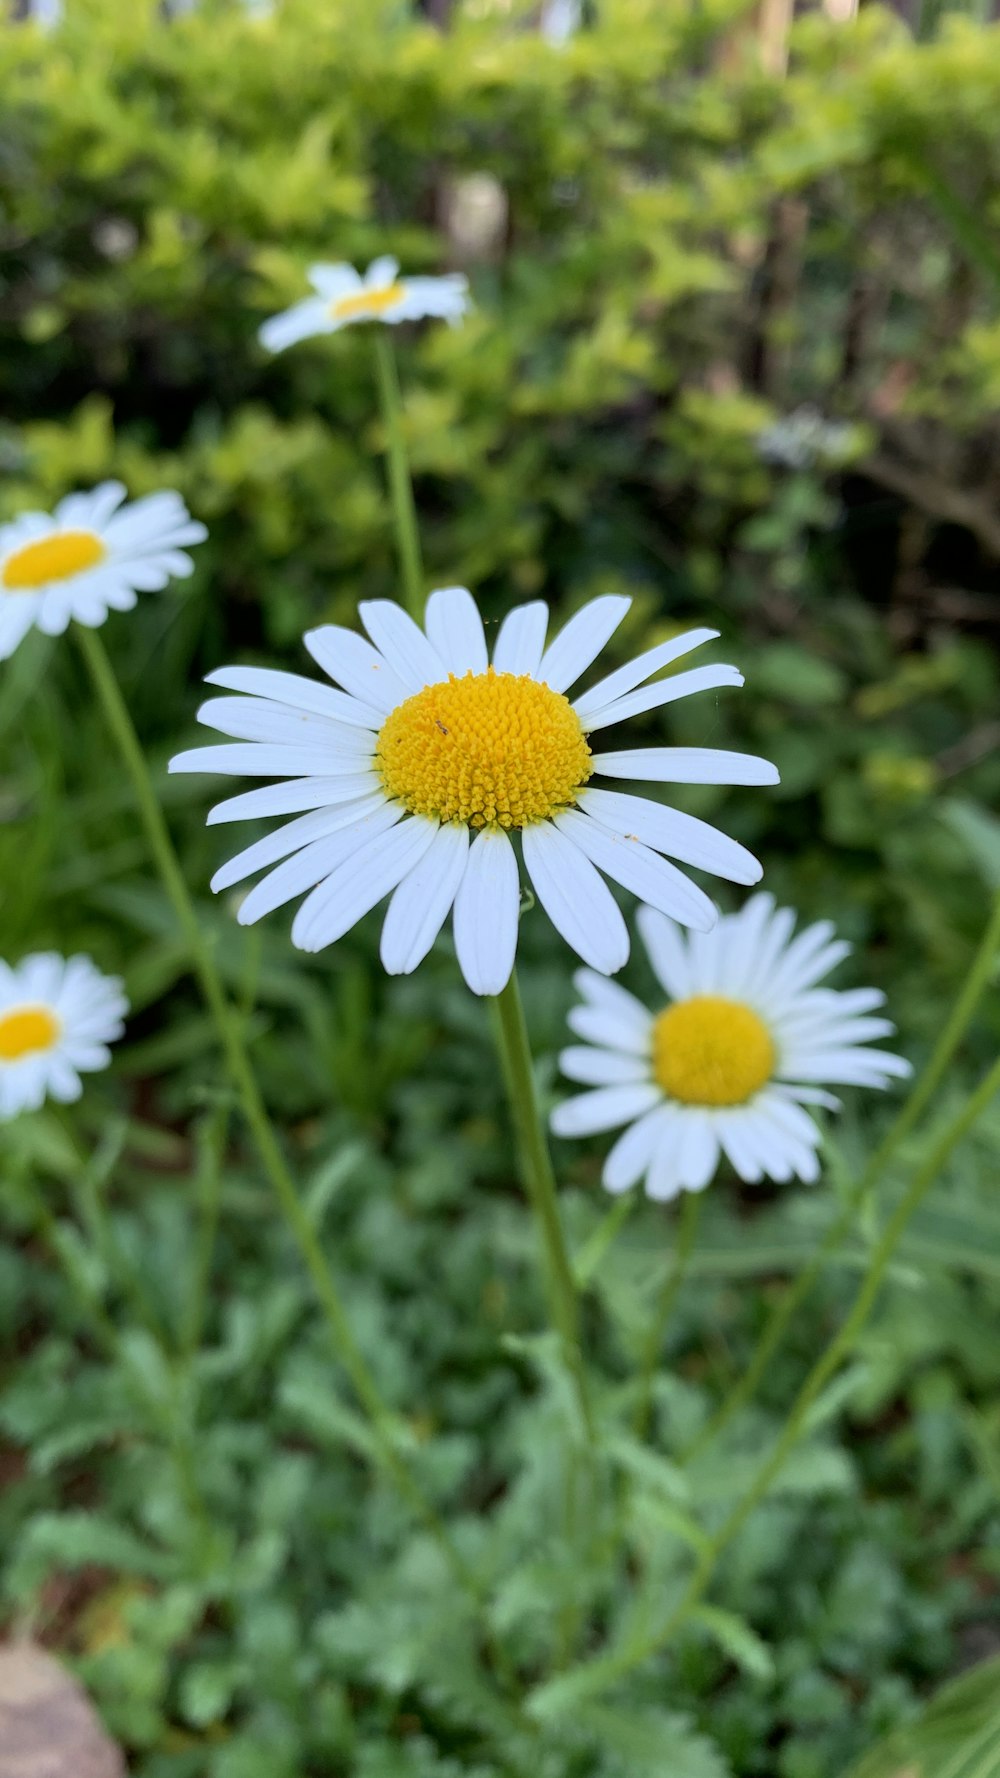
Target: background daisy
point(88, 558)
point(57, 1017)
point(343, 297)
point(747, 1041)
point(409, 779)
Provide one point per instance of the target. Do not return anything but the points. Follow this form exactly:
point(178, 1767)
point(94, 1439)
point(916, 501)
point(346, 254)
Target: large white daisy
point(57, 1017)
point(343, 297)
point(88, 558)
point(747, 1041)
point(410, 779)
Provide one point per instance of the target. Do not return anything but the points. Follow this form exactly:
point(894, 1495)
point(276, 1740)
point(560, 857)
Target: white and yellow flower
point(409, 780)
point(343, 297)
point(746, 1043)
point(57, 1017)
point(88, 558)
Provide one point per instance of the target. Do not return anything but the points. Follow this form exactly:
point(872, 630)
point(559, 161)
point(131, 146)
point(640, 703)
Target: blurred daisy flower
point(88, 558)
point(343, 297)
point(747, 1041)
point(57, 1017)
point(414, 774)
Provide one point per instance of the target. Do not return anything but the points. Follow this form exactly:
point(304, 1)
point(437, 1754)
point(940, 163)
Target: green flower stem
point(686, 1235)
point(955, 1027)
point(400, 485)
point(639, 1648)
point(244, 1080)
point(539, 1180)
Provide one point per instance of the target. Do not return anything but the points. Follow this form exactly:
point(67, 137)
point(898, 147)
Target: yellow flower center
point(58, 557)
point(711, 1051)
point(25, 1030)
point(490, 749)
point(366, 302)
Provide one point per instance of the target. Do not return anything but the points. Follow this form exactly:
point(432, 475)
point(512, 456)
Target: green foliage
point(690, 251)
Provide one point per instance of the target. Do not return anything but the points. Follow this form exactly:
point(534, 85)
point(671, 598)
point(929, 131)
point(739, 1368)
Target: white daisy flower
point(747, 1041)
point(88, 558)
point(57, 1017)
point(408, 780)
point(343, 297)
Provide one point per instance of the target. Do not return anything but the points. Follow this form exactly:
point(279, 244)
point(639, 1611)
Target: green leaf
point(736, 1639)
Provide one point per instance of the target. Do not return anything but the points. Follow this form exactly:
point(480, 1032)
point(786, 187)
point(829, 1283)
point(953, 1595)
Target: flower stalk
point(400, 483)
point(539, 1180)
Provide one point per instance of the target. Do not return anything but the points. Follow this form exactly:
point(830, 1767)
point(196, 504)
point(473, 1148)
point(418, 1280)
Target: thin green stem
point(400, 485)
point(540, 1184)
point(955, 1027)
point(638, 1648)
point(244, 1080)
point(686, 1236)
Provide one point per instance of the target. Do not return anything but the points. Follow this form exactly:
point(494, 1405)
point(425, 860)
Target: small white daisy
point(57, 1017)
point(88, 558)
point(414, 774)
point(729, 1064)
point(343, 297)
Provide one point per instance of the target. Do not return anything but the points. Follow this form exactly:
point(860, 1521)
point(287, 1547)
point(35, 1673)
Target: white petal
point(332, 281)
point(292, 797)
point(423, 900)
point(735, 1134)
point(315, 863)
point(382, 272)
point(258, 719)
point(663, 1181)
point(635, 867)
point(697, 1149)
point(628, 1159)
point(250, 759)
point(604, 1109)
point(667, 951)
point(291, 838)
point(612, 998)
point(669, 830)
point(578, 902)
point(747, 930)
point(602, 1068)
point(358, 667)
point(17, 616)
point(403, 643)
point(686, 765)
point(663, 691)
point(624, 679)
point(774, 936)
point(521, 639)
point(580, 641)
point(487, 907)
point(298, 692)
point(300, 322)
point(596, 1025)
point(455, 630)
point(360, 882)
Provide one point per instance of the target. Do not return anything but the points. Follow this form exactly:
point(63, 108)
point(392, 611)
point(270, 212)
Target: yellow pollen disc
point(711, 1051)
point(490, 749)
point(366, 302)
point(58, 557)
point(26, 1030)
